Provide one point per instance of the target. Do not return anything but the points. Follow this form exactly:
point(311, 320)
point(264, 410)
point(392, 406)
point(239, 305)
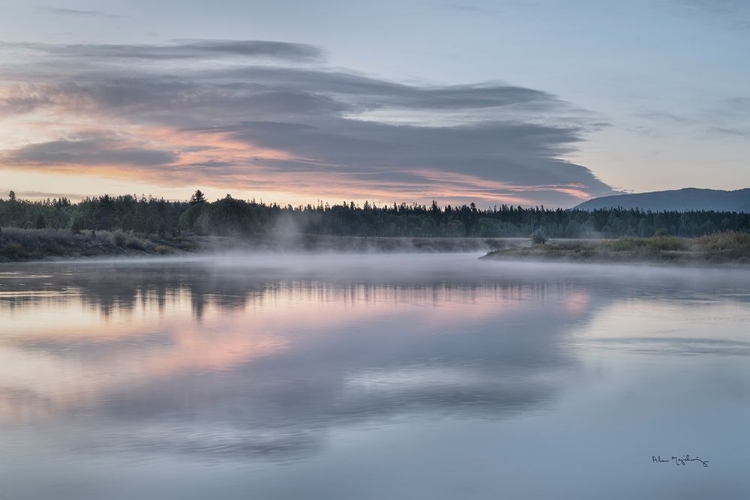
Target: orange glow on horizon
point(218, 164)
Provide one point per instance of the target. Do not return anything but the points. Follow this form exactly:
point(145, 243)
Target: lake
point(407, 376)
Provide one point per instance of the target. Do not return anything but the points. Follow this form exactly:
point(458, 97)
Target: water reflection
point(236, 363)
point(267, 363)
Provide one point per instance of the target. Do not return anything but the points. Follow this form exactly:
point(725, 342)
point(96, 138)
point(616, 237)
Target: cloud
point(731, 132)
point(377, 92)
point(470, 9)
point(724, 7)
point(725, 117)
point(21, 104)
point(77, 12)
point(87, 152)
point(181, 50)
point(304, 129)
point(45, 194)
point(486, 11)
point(734, 14)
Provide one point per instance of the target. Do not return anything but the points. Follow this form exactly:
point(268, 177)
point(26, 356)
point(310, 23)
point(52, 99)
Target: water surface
point(371, 377)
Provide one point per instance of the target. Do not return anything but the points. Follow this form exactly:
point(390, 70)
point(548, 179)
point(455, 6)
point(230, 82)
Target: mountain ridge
point(676, 200)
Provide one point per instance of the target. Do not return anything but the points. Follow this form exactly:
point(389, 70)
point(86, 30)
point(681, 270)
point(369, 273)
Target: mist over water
point(371, 376)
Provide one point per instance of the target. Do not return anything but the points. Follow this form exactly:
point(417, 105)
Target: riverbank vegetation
point(37, 244)
point(729, 248)
point(127, 225)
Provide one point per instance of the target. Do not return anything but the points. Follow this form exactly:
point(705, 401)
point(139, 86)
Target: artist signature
point(678, 460)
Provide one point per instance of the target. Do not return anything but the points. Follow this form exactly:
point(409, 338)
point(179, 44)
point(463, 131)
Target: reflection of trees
point(110, 287)
point(356, 369)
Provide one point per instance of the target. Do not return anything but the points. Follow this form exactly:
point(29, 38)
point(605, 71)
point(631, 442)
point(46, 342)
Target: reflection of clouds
point(216, 443)
point(684, 323)
point(19, 404)
point(272, 366)
point(71, 372)
point(291, 418)
point(331, 379)
point(677, 345)
point(278, 360)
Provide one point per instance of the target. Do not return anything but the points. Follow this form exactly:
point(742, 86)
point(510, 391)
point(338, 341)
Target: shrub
point(14, 250)
point(725, 241)
point(136, 244)
point(120, 239)
point(668, 243)
point(721, 246)
point(538, 237)
point(627, 244)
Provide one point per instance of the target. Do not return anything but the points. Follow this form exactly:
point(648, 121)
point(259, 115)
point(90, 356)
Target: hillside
point(682, 200)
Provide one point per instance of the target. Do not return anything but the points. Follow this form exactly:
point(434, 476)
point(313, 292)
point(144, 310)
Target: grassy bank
point(37, 244)
point(43, 244)
point(729, 248)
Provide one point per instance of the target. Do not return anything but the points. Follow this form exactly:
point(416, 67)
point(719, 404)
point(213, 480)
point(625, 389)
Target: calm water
point(372, 377)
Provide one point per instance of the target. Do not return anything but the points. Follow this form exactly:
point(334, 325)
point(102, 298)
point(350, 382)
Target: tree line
point(247, 218)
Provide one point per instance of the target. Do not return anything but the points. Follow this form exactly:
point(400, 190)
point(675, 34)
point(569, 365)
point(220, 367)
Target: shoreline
point(724, 250)
point(33, 245)
point(718, 250)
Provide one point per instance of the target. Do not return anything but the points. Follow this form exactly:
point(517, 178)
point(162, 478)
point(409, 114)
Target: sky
point(518, 102)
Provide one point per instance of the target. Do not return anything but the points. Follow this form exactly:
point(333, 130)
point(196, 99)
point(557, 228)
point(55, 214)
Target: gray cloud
point(367, 130)
point(716, 6)
point(470, 9)
point(486, 11)
point(725, 117)
point(182, 50)
point(77, 12)
point(512, 152)
point(734, 14)
point(376, 92)
point(87, 152)
point(661, 116)
point(732, 132)
point(45, 194)
point(21, 104)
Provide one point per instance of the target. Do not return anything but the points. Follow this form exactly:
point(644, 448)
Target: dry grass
point(655, 244)
point(24, 244)
point(34, 244)
point(720, 248)
point(725, 241)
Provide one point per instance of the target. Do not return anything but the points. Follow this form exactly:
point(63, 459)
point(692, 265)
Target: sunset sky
point(522, 102)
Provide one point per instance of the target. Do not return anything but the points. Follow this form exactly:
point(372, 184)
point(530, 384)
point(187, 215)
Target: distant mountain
point(681, 200)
